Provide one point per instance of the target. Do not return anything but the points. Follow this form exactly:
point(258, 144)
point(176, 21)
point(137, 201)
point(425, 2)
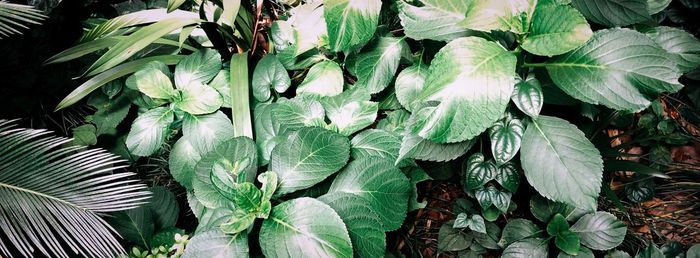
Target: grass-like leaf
point(13, 17)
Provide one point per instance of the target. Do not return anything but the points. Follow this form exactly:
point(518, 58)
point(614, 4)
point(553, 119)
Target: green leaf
point(221, 83)
point(269, 73)
point(375, 143)
point(508, 177)
point(557, 225)
point(656, 6)
point(528, 96)
point(240, 108)
point(530, 247)
point(607, 70)
point(555, 30)
point(618, 254)
point(435, 19)
point(613, 13)
point(324, 79)
point(394, 121)
point(304, 31)
point(350, 23)
point(518, 229)
point(85, 135)
point(198, 99)
point(115, 25)
point(495, 15)
point(350, 111)
point(363, 224)
point(416, 175)
point(205, 132)
point(215, 243)
point(376, 66)
point(416, 147)
point(198, 67)
point(568, 242)
point(490, 239)
point(293, 231)
point(298, 112)
point(136, 42)
point(478, 171)
point(506, 136)
point(308, 157)
point(182, 161)
point(164, 207)
point(451, 239)
point(154, 83)
point(473, 80)
point(600, 230)
point(233, 161)
point(409, 84)
point(683, 46)
point(693, 251)
point(491, 196)
point(266, 131)
point(166, 237)
point(628, 165)
point(475, 223)
point(134, 225)
point(174, 4)
point(544, 209)
point(582, 253)
point(118, 71)
point(230, 12)
point(560, 163)
point(652, 251)
point(149, 131)
point(110, 112)
point(377, 180)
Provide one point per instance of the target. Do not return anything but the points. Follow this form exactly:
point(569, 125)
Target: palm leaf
point(51, 196)
point(14, 16)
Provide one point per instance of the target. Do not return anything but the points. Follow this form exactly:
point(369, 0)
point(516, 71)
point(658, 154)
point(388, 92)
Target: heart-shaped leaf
point(506, 136)
point(528, 96)
point(269, 73)
point(508, 177)
point(324, 79)
point(478, 171)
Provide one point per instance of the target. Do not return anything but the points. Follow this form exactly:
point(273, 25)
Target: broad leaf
point(518, 229)
point(473, 80)
point(495, 15)
point(452, 239)
point(478, 171)
point(85, 135)
point(544, 209)
point(435, 19)
point(149, 131)
point(375, 143)
point(506, 136)
point(154, 83)
point(308, 157)
point(568, 242)
point(350, 111)
point(110, 112)
point(416, 147)
point(614, 13)
point(560, 163)
point(182, 161)
point(618, 68)
point(683, 46)
point(350, 23)
point(293, 231)
point(582, 253)
point(386, 188)
point(409, 84)
point(363, 224)
point(197, 99)
point(269, 73)
point(416, 175)
point(216, 244)
point(376, 67)
point(266, 131)
point(136, 226)
point(556, 29)
point(490, 239)
point(164, 207)
point(600, 230)
point(557, 225)
point(324, 79)
point(528, 96)
point(297, 113)
point(199, 67)
point(531, 247)
point(475, 222)
point(656, 6)
point(491, 196)
point(207, 131)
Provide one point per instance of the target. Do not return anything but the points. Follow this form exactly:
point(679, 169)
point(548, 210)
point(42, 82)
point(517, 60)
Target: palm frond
point(51, 196)
point(13, 17)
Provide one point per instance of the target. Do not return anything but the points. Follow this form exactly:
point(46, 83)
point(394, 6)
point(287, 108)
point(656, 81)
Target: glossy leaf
point(377, 180)
point(506, 137)
point(491, 196)
point(508, 176)
point(308, 157)
point(568, 242)
point(618, 68)
point(656, 6)
point(198, 99)
point(297, 113)
point(350, 111)
point(560, 162)
point(324, 79)
point(683, 46)
point(375, 143)
point(473, 80)
point(154, 83)
point(205, 132)
point(198, 67)
point(240, 108)
point(557, 225)
point(518, 229)
point(582, 253)
point(451, 239)
point(478, 171)
point(528, 96)
point(613, 13)
point(293, 231)
point(531, 247)
point(435, 19)
point(350, 23)
point(149, 131)
point(409, 84)
point(269, 73)
point(182, 161)
point(556, 29)
point(495, 15)
point(600, 230)
point(376, 67)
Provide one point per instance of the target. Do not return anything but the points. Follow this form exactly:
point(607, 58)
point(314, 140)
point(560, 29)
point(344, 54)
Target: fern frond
point(51, 196)
point(13, 17)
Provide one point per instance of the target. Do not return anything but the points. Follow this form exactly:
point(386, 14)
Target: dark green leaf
point(478, 171)
point(518, 229)
point(362, 222)
point(600, 230)
point(613, 13)
point(568, 242)
point(506, 137)
point(531, 247)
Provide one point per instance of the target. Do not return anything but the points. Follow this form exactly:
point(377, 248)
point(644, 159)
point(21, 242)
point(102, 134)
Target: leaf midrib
point(21, 189)
point(321, 241)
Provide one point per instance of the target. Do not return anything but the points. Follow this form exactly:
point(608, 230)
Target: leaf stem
point(534, 65)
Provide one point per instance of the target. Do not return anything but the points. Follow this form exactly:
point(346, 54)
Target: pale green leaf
point(115, 25)
point(473, 80)
point(269, 73)
point(486, 15)
point(221, 83)
point(324, 79)
point(293, 231)
point(560, 162)
point(197, 99)
point(350, 111)
point(149, 131)
point(656, 6)
point(266, 131)
point(582, 253)
point(350, 23)
point(308, 157)
point(215, 244)
point(174, 4)
point(377, 180)
point(154, 83)
point(198, 67)
point(182, 161)
point(376, 66)
point(240, 92)
point(614, 13)
point(409, 84)
point(413, 146)
point(205, 132)
point(436, 19)
point(600, 230)
point(556, 29)
point(298, 112)
point(376, 143)
point(618, 68)
point(363, 223)
point(683, 46)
